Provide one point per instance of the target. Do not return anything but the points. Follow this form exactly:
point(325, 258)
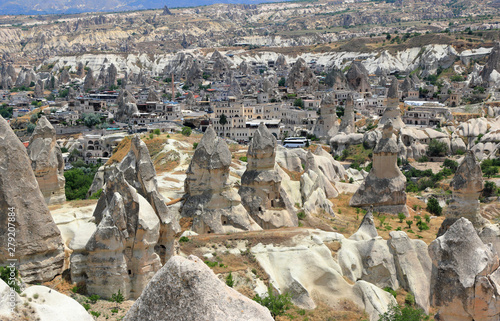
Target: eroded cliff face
point(47, 162)
point(38, 243)
point(385, 185)
point(261, 192)
point(465, 276)
point(212, 203)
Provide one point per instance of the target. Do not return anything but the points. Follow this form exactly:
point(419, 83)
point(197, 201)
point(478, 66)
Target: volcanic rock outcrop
point(47, 162)
point(210, 200)
point(140, 173)
point(465, 283)
point(385, 185)
point(38, 242)
point(301, 76)
point(261, 192)
point(397, 262)
point(347, 124)
point(392, 112)
point(135, 231)
point(187, 289)
point(466, 186)
point(357, 77)
point(127, 106)
point(327, 124)
point(491, 71)
point(120, 255)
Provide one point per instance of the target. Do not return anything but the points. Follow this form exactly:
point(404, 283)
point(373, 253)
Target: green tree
point(91, 119)
point(223, 121)
point(401, 217)
point(229, 280)
point(277, 304)
point(490, 188)
point(490, 171)
point(433, 206)
point(299, 102)
point(30, 128)
point(186, 131)
point(282, 82)
point(451, 164)
point(437, 148)
point(407, 313)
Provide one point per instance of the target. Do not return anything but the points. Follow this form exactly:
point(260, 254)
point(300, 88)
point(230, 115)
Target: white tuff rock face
point(187, 289)
point(120, 255)
point(134, 231)
point(210, 200)
point(385, 185)
point(47, 162)
point(466, 186)
point(139, 172)
point(39, 246)
point(398, 262)
point(41, 303)
point(261, 192)
point(308, 271)
point(465, 283)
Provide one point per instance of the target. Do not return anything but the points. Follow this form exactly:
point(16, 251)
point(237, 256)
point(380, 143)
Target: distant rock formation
point(214, 206)
point(47, 162)
point(491, 71)
point(152, 95)
point(80, 70)
point(336, 80)
point(357, 78)
point(281, 63)
point(261, 192)
point(166, 11)
point(127, 106)
point(89, 81)
point(187, 289)
point(385, 185)
point(65, 77)
point(392, 112)
point(38, 243)
point(327, 125)
point(466, 186)
point(347, 123)
point(465, 283)
point(39, 87)
point(302, 77)
point(220, 66)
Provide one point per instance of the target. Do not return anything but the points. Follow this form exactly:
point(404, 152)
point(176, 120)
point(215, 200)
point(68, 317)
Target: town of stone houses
point(297, 160)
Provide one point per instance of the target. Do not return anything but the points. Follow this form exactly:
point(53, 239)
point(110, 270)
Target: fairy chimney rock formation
point(385, 185)
point(260, 189)
point(187, 289)
point(39, 247)
point(466, 186)
point(210, 200)
point(140, 173)
point(120, 255)
point(347, 124)
point(392, 112)
point(327, 125)
point(47, 162)
point(465, 281)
